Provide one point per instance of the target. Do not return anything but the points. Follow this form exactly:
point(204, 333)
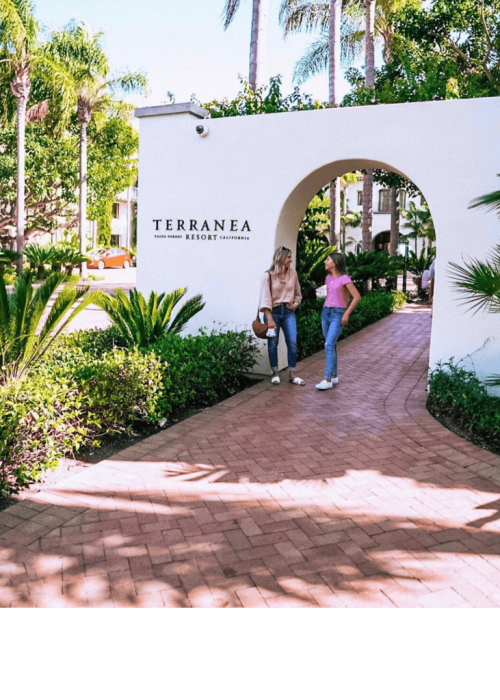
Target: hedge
point(87, 388)
point(458, 395)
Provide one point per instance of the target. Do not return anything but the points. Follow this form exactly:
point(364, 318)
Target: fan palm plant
point(28, 326)
point(20, 55)
point(38, 256)
point(88, 65)
point(140, 322)
point(478, 284)
point(7, 257)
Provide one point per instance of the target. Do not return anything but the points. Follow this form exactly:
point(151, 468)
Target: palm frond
point(230, 9)
point(315, 60)
point(303, 15)
point(490, 202)
point(189, 309)
point(129, 82)
point(24, 336)
point(478, 283)
point(140, 322)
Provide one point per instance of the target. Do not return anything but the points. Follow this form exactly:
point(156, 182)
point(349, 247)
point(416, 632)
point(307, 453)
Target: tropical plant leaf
point(478, 283)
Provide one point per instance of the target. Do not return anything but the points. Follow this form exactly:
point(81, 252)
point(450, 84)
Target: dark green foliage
point(417, 264)
point(72, 401)
point(87, 388)
point(265, 100)
point(201, 370)
point(310, 266)
point(460, 395)
point(372, 307)
point(372, 266)
point(28, 327)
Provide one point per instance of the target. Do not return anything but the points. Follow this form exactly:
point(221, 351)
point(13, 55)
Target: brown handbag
point(259, 328)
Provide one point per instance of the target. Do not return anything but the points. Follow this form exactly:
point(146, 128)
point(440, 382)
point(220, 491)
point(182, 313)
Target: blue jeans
point(283, 318)
point(331, 318)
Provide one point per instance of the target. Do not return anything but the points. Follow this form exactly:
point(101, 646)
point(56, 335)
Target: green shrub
point(372, 307)
point(201, 370)
point(73, 401)
point(465, 399)
point(92, 342)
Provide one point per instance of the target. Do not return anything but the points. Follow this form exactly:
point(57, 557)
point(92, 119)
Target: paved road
point(278, 497)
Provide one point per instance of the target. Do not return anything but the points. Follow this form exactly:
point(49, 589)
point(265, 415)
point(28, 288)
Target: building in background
point(381, 216)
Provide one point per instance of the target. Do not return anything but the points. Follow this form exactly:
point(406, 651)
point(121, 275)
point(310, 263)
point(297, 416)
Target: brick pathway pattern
point(278, 497)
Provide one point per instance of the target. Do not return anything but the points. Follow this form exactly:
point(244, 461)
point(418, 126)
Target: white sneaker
point(324, 385)
point(334, 380)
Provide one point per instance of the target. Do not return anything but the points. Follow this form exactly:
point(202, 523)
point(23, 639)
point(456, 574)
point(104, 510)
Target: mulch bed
point(455, 421)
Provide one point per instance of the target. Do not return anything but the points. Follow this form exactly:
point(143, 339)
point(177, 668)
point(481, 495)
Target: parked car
point(112, 257)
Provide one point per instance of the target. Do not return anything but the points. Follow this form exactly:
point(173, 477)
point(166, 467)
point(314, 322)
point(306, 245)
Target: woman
point(342, 297)
point(279, 297)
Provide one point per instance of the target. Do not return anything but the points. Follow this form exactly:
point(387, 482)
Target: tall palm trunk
point(370, 82)
point(394, 238)
point(334, 73)
point(20, 87)
point(258, 42)
point(84, 116)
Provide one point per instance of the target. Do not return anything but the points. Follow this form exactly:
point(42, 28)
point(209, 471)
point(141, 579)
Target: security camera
point(202, 130)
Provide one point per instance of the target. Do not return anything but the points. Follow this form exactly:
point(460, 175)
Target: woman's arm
point(297, 295)
point(355, 299)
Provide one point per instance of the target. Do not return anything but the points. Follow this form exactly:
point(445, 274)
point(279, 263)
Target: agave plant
point(28, 327)
point(7, 257)
point(140, 322)
point(38, 256)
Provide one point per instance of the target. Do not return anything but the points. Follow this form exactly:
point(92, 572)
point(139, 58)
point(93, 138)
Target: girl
point(280, 295)
point(339, 289)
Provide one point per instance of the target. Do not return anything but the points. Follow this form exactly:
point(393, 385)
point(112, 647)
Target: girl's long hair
point(340, 262)
point(279, 257)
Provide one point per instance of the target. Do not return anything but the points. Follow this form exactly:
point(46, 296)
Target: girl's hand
point(345, 319)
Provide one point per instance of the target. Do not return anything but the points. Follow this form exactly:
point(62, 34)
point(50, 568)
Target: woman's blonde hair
point(340, 262)
point(279, 257)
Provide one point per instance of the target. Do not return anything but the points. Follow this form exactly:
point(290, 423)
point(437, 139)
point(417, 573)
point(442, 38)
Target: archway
point(213, 207)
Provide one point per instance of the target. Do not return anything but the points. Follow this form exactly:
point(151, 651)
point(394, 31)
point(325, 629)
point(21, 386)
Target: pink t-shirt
point(334, 290)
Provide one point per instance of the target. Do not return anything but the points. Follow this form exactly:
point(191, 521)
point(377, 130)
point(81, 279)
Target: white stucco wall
point(266, 169)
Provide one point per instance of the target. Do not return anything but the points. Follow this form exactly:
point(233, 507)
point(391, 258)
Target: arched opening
point(397, 254)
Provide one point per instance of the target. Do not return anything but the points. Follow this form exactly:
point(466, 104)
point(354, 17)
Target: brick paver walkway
point(280, 497)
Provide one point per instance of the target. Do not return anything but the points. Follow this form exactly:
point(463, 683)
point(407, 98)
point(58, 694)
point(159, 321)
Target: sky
point(182, 47)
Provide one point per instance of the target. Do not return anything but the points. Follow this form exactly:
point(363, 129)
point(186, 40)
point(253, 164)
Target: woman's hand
point(345, 319)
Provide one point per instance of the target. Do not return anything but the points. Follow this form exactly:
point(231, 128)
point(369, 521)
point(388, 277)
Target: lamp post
point(403, 250)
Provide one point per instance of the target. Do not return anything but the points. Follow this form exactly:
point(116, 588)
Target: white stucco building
point(381, 221)
point(254, 177)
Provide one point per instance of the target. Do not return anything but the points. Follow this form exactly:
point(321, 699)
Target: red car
point(112, 257)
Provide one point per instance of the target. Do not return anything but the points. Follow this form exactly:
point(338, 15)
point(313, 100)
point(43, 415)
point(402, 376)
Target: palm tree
point(20, 55)
point(258, 35)
point(337, 44)
point(309, 15)
point(85, 59)
point(419, 223)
